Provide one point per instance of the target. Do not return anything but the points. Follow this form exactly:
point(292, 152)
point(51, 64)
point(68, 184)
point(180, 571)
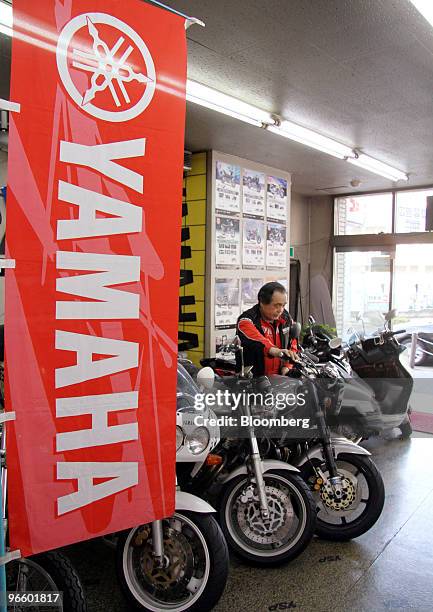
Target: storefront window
point(369, 214)
point(361, 292)
point(410, 211)
point(413, 285)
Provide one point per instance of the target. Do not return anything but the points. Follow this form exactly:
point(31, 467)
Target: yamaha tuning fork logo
point(105, 67)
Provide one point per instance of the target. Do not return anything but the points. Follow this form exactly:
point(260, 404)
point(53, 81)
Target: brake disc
point(178, 565)
point(268, 530)
point(348, 498)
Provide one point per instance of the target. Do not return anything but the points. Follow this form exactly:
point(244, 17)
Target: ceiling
point(359, 71)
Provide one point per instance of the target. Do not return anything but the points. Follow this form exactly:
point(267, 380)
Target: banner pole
point(3, 604)
point(9, 106)
point(13, 107)
point(189, 20)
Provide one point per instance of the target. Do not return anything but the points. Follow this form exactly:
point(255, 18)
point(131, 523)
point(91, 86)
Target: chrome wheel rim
point(356, 496)
point(179, 584)
point(266, 537)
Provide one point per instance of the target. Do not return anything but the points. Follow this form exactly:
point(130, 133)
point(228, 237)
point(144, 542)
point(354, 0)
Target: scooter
point(180, 562)
point(266, 511)
point(378, 386)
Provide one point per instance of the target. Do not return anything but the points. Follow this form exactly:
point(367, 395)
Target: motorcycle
point(346, 485)
point(227, 230)
point(378, 384)
point(43, 574)
point(253, 235)
point(276, 236)
point(180, 562)
point(266, 510)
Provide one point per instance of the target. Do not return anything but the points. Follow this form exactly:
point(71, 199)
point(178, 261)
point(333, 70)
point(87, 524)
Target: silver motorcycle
point(180, 562)
point(266, 511)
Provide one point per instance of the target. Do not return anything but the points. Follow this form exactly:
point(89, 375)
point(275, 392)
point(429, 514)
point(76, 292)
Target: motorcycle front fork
point(334, 482)
point(158, 543)
point(257, 466)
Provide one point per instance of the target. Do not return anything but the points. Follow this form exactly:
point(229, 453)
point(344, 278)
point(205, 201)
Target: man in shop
point(264, 332)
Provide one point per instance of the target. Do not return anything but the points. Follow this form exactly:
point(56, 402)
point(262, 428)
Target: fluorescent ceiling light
point(5, 19)
point(222, 103)
point(378, 167)
point(425, 7)
point(311, 139)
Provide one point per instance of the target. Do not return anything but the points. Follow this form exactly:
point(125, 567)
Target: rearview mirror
point(391, 315)
point(295, 330)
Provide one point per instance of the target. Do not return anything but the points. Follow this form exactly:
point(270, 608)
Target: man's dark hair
point(267, 291)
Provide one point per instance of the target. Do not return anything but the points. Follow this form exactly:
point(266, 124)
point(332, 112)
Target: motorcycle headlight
point(179, 437)
point(198, 440)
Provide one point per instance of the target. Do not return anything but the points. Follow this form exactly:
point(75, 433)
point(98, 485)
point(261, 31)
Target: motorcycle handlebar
point(304, 353)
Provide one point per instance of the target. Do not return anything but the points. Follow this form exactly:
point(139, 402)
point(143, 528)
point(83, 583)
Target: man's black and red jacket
point(256, 345)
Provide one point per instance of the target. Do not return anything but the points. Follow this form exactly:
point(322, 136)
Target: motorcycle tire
point(347, 530)
point(195, 539)
point(49, 572)
point(406, 429)
point(243, 540)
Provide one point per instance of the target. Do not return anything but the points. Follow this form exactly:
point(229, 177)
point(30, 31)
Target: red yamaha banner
point(94, 213)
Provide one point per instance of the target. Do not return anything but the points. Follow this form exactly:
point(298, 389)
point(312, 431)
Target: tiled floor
point(389, 568)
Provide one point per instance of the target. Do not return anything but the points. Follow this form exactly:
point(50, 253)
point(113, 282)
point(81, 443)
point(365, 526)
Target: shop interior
point(316, 119)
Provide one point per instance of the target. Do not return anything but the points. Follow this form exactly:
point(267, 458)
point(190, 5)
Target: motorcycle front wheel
point(46, 573)
point(406, 428)
point(360, 505)
point(195, 567)
point(286, 532)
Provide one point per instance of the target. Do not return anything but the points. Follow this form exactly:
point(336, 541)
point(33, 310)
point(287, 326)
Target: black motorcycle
point(266, 510)
point(345, 482)
point(347, 487)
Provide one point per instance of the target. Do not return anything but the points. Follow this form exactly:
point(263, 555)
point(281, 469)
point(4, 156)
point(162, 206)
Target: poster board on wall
point(247, 245)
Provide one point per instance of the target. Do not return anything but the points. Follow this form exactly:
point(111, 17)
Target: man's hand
point(274, 351)
point(292, 355)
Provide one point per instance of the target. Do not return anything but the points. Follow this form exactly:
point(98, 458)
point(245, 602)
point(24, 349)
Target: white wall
point(311, 237)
